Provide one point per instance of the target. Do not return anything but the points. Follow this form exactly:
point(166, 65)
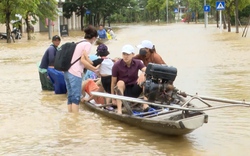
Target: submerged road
point(209, 61)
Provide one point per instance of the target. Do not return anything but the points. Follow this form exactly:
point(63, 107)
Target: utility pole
point(60, 10)
point(50, 30)
point(205, 15)
point(236, 16)
point(167, 9)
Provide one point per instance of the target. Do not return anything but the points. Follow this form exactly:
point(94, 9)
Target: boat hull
point(162, 124)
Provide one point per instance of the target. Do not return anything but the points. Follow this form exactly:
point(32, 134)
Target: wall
point(73, 24)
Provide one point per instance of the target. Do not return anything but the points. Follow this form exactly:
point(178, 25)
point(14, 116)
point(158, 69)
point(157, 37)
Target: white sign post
point(206, 10)
point(59, 14)
point(220, 19)
point(220, 5)
point(176, 15)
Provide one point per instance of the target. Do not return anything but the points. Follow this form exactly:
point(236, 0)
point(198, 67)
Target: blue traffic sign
point(206, 8)
point(220, 5)
point(176, 10)
point(88, 12)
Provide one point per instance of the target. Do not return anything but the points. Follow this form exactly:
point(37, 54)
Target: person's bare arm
point(158, 59)
point(87, 57)
point(144, 69)
point(86, 63)
point(141, 77)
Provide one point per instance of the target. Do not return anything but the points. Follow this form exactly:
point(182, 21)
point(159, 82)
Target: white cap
point(128, 49)
point(146, 44)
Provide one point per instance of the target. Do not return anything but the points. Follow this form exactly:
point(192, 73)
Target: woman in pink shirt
point(73, 77)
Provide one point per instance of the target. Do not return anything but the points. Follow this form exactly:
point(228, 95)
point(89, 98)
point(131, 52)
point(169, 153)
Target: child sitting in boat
point(89, 86)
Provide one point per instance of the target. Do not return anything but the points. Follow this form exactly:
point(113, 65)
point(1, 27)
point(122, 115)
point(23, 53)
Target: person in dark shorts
point(125, 76)
point(105, 68)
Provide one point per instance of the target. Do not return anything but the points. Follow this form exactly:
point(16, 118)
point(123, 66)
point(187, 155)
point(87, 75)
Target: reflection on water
point(209, 62)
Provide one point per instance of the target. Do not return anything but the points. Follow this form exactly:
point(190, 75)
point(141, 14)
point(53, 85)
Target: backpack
point(64, 56)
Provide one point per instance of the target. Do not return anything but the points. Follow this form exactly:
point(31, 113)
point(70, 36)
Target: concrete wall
point(2, 28)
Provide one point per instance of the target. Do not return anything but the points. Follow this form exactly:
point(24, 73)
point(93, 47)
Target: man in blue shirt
point(48, 62)
point(49, 55)
point(102, 32)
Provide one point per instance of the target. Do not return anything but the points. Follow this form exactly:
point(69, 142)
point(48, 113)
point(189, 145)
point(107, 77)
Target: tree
point(196, 6)
point(77, 6)
point(237, 15)
point(27, 8)
point(7, 13)
point(38, 8)
point(231, 7)
point(156, 6)
point(99, 10)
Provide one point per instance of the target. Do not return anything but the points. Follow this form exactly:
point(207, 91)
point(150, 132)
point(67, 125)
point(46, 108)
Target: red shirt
point(92, 86)
point(127, 74)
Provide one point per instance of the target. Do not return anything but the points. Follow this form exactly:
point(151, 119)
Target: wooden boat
point(163, 121)
point(178, 120)
point(176, 113)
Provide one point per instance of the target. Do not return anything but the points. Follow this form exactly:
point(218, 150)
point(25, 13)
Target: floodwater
point(210, 62)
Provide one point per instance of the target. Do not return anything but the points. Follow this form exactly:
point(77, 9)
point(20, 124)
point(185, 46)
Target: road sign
point(87, 12)
point(60, 11)
point(220, 5)
point(176, 10)
point(206, 8)
point(64, 30)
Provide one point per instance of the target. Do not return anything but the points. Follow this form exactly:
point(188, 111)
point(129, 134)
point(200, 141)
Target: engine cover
point(159, 71)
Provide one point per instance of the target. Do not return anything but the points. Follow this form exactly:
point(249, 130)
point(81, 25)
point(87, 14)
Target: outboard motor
point(159, 83)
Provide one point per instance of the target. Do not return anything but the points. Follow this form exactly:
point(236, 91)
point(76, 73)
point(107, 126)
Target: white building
point(74, 23)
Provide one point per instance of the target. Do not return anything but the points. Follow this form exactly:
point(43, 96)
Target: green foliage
point(196, 5)
point(8, 7)
point(245, 12)
point(100, 9)
point(40, 8)
point(155, 5)
point(244, 15)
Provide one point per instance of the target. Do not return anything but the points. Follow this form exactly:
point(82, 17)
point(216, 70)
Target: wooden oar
point(136, 100)
point(243, 102)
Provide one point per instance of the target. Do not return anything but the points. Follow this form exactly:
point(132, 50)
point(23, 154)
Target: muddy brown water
point(209, 61)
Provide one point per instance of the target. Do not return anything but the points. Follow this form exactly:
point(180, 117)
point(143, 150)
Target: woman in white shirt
point(105, 68)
